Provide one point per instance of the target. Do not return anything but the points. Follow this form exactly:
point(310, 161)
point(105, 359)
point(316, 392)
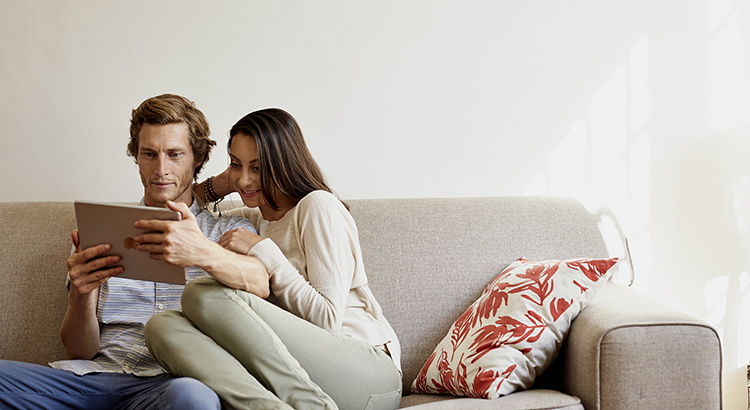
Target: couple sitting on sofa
point(323, 343)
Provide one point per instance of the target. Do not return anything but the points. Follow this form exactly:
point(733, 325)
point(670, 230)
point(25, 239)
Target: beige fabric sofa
point(427, 261)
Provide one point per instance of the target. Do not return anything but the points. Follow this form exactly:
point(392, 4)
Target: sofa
point(427, 260)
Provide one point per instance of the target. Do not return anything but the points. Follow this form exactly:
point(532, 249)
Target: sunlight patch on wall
point(740, 193)
point(607, 157)
point(717, 10)
point(730, 108)
point(743, 334)
point(730, 105)
point(740, 186)
point(715, 300)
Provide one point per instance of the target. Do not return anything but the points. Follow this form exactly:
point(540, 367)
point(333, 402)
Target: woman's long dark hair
point(284, 160)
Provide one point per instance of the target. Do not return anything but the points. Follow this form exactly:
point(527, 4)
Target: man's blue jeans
point(31, 386)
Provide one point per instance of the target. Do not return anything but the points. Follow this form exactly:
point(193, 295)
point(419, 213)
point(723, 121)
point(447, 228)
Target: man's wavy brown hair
point(173, 109)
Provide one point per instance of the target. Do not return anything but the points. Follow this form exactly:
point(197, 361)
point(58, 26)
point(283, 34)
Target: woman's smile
point(248, 193)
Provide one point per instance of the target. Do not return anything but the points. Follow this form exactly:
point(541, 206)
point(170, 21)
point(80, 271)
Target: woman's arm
point(328, 239)
point(219, 184)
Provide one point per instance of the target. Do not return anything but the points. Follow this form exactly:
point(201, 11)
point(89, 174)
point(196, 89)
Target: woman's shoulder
point(326, 212)
point(320, 196)
point(320, 202)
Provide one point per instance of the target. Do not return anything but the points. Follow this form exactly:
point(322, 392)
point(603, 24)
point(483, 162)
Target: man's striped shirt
point(125, 305)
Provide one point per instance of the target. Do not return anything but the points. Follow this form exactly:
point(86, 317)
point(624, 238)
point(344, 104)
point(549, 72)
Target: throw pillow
point(514, 331)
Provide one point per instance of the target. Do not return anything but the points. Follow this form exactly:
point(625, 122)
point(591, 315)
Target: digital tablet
point(113, 224)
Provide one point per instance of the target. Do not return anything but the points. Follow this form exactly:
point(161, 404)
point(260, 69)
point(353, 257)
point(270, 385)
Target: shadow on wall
point(714, 215)
point(606, 156)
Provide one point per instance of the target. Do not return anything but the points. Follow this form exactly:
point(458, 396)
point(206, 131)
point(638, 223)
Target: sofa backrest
point(34, 246)
point(427, 260)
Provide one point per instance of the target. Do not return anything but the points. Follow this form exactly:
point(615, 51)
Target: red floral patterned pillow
point(514, 331)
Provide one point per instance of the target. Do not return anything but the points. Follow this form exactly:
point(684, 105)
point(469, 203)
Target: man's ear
point(198, 163)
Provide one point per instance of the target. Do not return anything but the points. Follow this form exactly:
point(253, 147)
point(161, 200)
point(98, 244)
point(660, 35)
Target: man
point(102, 331)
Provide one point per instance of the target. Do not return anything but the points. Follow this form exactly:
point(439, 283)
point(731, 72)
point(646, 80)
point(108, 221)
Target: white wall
point(627, 102)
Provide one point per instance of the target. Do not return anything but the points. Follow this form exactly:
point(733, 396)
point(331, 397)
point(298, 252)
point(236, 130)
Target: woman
point(323, 342)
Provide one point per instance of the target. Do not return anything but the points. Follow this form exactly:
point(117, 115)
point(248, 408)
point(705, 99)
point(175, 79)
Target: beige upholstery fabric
point(627, 351)
point(33, 248)
point(427, 260)
point(525, 400)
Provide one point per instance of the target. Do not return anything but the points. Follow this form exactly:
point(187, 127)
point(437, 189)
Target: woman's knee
point(196, 293)
point(162, 333)
point(162, 324)
point(188, 393)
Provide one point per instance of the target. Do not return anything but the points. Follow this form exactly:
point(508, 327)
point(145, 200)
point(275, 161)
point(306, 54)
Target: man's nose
point(162, 165)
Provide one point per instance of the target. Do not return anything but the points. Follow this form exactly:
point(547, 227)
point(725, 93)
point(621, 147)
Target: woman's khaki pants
point(255, 355)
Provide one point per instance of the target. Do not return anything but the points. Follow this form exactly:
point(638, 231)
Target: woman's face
point(244, 170)
point(244, 175)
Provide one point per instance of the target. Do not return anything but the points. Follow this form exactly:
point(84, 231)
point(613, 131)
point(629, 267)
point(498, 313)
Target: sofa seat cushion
point(534, 399)
point(514, 331)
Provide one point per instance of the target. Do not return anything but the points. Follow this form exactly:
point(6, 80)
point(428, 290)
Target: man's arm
point(183, 244)
point(80, 328)
point(237, 271)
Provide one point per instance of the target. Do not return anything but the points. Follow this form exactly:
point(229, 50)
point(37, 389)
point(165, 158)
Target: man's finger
point(152, 224)
point(182, 208)
point(150, 248)
point(76, 240)
point(149, 238)
point(90, 253)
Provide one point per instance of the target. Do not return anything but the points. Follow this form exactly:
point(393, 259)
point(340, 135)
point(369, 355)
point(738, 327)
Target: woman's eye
point(234, 165)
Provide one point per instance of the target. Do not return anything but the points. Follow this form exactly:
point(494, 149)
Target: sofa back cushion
point(34, 246)
point(427, 260)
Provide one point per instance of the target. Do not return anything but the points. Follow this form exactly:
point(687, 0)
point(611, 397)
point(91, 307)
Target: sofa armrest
point(627, 351)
